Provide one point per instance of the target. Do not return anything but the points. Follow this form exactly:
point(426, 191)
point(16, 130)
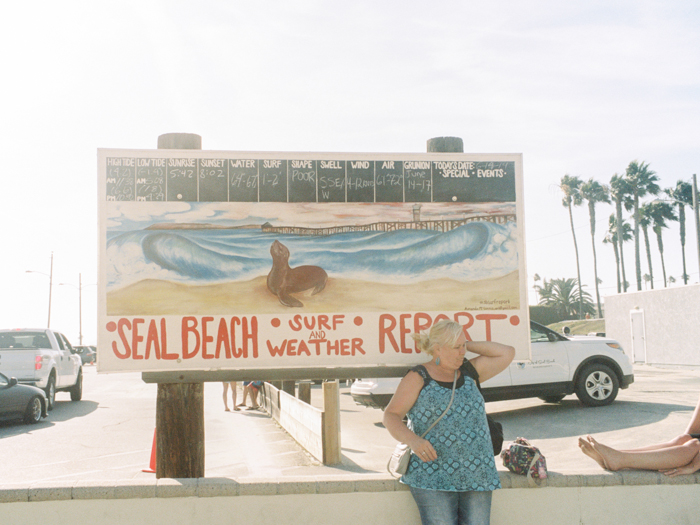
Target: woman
point(452, 472)
point(679, 456)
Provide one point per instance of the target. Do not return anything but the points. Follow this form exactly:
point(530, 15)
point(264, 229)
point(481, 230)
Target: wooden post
point(180, 430)
point(445, 145)
point(331, 423)
point(180, 406)
point(288, 386)
point(305, 392)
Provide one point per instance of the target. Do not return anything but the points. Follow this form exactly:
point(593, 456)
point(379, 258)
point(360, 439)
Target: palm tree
point(682, 194)
point(642, 181)
point(645, 222)
point(620, 192)
point(609, 239)
point(612, 238)
point(536, 278)
point(594, 192)
point(561, 294)
point(570, 186)
point(660, 212)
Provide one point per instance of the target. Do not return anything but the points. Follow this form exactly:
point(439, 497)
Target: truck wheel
point(51, 392)
point(597, 385)
point(76, 392)
point(34, 410)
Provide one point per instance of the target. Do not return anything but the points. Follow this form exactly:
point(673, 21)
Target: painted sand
point(153, 297)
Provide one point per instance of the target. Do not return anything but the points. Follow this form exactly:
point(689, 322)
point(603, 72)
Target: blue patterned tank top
point(461, 439)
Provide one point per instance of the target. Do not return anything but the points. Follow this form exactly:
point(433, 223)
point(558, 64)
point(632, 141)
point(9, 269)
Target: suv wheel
point(597, 385)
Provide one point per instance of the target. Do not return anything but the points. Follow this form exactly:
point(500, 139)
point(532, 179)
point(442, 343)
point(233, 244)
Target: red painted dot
point(111, 326)
point(358, 321)
point(515, 320)
point(275, 322)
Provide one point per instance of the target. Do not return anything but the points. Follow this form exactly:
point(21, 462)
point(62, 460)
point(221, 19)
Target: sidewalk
point(108, 436)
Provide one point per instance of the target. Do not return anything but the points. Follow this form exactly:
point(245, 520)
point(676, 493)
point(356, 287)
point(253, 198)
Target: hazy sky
point(577, 87)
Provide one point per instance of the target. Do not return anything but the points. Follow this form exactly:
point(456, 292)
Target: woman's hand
point(423, 449)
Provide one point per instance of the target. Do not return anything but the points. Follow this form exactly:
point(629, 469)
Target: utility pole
point(697, 217)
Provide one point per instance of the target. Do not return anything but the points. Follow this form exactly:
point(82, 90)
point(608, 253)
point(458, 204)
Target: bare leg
point(678, 440)
point(661, 459)
point(226, 397)
point(234, 394)
point(245, 395)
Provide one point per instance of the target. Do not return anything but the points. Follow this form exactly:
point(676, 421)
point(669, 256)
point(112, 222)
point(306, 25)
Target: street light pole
point(697, 216)
point(48, 322)
point(50, 276)
point(80, 304)
point(80, 307)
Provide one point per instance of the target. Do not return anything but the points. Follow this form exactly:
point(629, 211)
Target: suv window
point(537, 336)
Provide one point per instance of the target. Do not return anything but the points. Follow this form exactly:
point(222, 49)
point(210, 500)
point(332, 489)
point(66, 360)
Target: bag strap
point(468, 369)
point(530, 479)
point(454, 384)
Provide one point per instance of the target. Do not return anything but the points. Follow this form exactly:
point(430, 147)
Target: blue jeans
point(439, 507)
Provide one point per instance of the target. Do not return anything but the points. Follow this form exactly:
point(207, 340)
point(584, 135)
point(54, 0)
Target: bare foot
point(588, 449)
point(611, 457)
point(226, 409)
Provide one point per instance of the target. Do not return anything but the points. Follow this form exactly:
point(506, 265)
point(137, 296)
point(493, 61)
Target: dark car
point(21, 401)
point(86, 353)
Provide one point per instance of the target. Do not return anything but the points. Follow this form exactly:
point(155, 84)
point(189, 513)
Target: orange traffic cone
point(152, 466)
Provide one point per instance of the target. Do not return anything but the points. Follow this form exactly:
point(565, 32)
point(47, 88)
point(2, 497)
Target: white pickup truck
point(43, 358)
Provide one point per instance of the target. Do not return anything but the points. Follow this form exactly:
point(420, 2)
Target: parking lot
point(109, 434)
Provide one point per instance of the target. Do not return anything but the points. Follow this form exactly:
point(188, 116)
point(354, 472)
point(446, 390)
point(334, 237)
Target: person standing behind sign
point(232, 384)
point(452, 471)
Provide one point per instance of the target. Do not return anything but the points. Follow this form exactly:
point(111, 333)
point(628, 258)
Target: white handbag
point(398, 462)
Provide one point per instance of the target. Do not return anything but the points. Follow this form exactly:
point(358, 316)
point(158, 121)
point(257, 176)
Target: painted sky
point(127, 216)
point(578, 88)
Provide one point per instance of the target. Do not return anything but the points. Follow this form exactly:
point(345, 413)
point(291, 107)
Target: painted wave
point(474, 251)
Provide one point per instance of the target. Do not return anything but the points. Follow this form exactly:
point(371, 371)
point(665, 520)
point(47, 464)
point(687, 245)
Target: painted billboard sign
point(215, 260)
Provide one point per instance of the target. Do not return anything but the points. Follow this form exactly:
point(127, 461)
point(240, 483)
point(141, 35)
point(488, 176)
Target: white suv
point(592, 367)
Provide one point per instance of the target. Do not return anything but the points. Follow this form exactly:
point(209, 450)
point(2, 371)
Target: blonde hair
point(444, 332)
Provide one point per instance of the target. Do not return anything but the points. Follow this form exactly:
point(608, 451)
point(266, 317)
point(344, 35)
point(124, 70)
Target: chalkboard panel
point(360, 181)
point(273, 180)
point(417, 181)
point(121, 179)
point(389, 180)
point(302, 180)
point(243, 180)
point(182, 180)
point(331, 181)
point(150, 179)
point(213, 180)
point(469, 181)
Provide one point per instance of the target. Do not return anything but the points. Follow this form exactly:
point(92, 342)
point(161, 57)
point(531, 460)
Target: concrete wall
point(605, 498)
point(671, 327)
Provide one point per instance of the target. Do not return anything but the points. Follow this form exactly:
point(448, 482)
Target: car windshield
point(24, 340)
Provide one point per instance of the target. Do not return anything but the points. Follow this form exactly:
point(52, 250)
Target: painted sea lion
point(283, 280)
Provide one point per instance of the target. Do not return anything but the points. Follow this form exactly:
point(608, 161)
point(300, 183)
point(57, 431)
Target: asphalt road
point(109, 435)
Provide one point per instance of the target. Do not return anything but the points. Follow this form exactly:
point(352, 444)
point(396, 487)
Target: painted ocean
point(471, 252)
